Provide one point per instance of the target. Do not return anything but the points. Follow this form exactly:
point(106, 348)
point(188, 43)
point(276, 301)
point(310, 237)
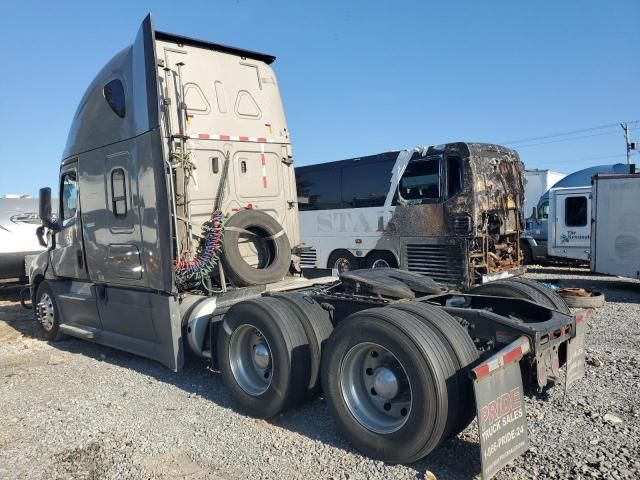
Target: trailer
point(538, 182)
point(178, 230)
point(18, 222)
point(615, 224)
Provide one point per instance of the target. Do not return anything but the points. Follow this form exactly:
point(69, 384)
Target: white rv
point(569, 227)
point(615, 225)
point(18, 222)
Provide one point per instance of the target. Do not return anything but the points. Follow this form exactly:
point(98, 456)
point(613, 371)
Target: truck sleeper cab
point(134, 262)
point(452, 212)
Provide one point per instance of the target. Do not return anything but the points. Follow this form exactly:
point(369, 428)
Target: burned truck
point(177, 230)
point(452, 212)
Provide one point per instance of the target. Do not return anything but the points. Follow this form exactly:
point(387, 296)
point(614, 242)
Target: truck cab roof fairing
point(95, 123)
point(218, 47)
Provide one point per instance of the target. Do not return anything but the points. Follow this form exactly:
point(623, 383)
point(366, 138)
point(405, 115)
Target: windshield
point(421, 179)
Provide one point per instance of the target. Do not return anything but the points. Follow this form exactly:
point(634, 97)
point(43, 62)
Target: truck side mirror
point(534, 213)
point(45, 209)
point(45, 205)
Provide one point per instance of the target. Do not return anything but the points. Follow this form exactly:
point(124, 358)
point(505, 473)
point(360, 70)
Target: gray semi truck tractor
point(178, 229)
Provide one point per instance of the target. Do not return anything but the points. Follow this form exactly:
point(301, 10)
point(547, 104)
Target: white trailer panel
point(615, 237)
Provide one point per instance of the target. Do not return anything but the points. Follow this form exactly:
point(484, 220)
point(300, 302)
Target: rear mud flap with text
point(576, 352)
point(502, 419)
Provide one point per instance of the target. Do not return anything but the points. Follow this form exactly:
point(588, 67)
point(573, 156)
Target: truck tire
point(256, 249)
point(263, 355)
point(47, 313)
point(317, 326)
point(594, 300)
point(381, 259)
point(506, 288)
point(461, 349)
point(384, 376)
point(553, 297)
point(342, 261)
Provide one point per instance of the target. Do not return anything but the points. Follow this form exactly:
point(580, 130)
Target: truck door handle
point(79, 258)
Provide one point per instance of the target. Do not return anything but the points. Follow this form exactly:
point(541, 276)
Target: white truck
point(569, 223)
point(615, 225)
point(178, 230)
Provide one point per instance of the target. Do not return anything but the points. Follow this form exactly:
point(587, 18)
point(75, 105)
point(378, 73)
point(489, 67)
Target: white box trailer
point(538, 181)
point(569, 234)
point(615, 225)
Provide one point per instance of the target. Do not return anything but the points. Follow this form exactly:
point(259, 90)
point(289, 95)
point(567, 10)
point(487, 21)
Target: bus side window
point(319, 189)
point(455, 174)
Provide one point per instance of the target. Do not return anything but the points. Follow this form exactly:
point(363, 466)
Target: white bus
point(452, 212)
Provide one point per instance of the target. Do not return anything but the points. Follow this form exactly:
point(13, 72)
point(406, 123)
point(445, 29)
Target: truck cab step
point(83, 332)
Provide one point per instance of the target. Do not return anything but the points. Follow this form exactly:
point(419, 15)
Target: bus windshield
point(421, 179)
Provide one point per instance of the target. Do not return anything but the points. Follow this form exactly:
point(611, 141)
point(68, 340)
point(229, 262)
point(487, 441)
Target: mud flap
point(576, 352)
point(502, 419)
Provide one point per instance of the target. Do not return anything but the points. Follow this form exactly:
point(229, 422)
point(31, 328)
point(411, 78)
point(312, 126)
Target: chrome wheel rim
point(46, 312)
point(250, 360)
point(342, 265)
point(375, 388)
point(380, 263)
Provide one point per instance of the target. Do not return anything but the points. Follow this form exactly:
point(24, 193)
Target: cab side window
point(543, 210)
point(421, 179)
point(69, 195)
point(575, 211)
point(114, 95)
point(119, 193)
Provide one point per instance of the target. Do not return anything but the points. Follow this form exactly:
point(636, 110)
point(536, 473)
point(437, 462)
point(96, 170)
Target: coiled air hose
point(203, 264)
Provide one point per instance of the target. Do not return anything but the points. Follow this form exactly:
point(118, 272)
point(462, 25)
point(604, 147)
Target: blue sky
point(356, 77)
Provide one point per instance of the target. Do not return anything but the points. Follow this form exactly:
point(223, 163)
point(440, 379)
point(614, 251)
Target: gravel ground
point(77, 410)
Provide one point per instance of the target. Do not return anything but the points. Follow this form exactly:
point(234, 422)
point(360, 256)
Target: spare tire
point(256, 250)
point(581, 298)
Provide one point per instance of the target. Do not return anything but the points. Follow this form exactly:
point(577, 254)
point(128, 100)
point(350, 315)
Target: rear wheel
point(317, 326)
point(460, 347)
point(384, 375)
point(263, 354)
point(381, 259)
point(342, 261)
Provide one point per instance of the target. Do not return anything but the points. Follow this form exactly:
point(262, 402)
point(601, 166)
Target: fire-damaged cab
point(468, 233)
point(450, 212)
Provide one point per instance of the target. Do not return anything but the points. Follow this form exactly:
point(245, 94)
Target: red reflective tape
point(512, 356)
point(203, 135)
point(244, 139)
point(225, 137)
point(481, 370)
point(262, 140)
